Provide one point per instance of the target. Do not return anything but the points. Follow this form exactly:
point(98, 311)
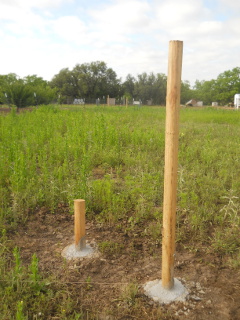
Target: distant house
point(194, 103)
point(111, 101)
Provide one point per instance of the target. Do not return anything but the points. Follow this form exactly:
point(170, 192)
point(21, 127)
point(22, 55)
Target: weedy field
point(113, 157)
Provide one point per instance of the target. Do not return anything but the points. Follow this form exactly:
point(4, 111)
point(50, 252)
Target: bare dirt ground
point(100, 283)
point(19, 110)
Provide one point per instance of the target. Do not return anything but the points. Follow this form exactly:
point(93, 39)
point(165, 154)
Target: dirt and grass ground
point(116, 166)
point(109, 286)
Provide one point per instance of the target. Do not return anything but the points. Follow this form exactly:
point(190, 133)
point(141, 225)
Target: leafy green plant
point(19, 93)
point(40, 298)
point(19, 312)
point(106, 201)
point(35, 279)
point(129, 293)
point(226, 242)
point(89, 283)
point(18, 271)
point(231, 210)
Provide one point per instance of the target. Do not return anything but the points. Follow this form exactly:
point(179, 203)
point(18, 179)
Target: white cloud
point(121, 18)
point(231, 4)
point(177, 13)
point(70, 28)
point(35, 3)
point(233, 28)
point(131, 36)
point(209, 27)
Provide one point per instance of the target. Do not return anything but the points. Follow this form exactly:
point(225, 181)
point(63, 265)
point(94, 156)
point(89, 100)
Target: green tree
point(30, 90)
point(142, 90)
point(151, 87)
point(186, 92)
point(94, 80)
point(5, 82)
point(205, 91)
point(64, 83)
point(221, 90)
point(18, 94)
point(87, 80)
point(227, 85)
point(160, 89)
point(42, 93)
point(128, 86)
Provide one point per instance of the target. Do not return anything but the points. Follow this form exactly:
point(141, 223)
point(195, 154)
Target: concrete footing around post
point(73, 252)
point(153, 289)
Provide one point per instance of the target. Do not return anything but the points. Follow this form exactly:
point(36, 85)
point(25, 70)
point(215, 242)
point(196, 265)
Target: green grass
point(113, 157)
point(26, 295)
point(49, 156)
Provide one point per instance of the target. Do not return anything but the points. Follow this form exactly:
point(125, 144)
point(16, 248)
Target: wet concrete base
point(72, 252)
point(153, 289)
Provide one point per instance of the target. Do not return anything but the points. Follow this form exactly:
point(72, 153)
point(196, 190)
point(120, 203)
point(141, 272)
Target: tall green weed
point(53, 155)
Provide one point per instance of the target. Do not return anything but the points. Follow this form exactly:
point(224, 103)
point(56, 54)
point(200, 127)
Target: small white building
point(194, 103)
point(200, 104)
point(78, 101)
point(237, 101)
point(138, 103)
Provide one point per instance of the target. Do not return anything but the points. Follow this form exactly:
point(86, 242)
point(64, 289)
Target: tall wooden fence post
point(171, 161)
point(79, 224)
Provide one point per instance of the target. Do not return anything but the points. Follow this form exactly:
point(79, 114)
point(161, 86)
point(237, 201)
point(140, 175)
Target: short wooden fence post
point(79, 224)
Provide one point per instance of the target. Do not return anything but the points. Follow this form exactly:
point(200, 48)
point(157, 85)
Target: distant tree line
point(96, 81)
point(91, 81)
point(221, 90)
point(29, 91)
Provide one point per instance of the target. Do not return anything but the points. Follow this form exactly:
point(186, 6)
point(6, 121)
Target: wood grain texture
point(171, 161)
point(79, 223)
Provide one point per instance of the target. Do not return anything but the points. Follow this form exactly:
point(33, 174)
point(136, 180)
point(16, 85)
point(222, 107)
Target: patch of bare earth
point(100, 283)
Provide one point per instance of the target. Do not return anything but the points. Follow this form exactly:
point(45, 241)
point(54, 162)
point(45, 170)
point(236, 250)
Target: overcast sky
point(132, 36)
